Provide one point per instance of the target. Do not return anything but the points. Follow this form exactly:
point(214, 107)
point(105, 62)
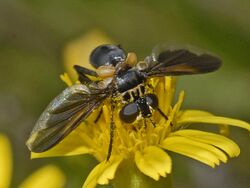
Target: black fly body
point(119, 76)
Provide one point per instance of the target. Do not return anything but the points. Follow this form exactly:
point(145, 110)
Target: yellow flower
point(139, 152)
point(38, 179)
point(146, 146)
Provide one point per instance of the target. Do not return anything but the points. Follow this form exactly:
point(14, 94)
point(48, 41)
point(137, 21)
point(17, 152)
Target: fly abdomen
point(128, 80)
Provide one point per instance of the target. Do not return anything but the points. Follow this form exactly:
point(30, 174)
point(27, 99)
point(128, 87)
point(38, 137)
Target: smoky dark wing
point(172, 62)
point(63, 115)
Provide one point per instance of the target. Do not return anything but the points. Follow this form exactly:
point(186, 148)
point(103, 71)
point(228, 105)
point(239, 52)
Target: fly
point(119, 76)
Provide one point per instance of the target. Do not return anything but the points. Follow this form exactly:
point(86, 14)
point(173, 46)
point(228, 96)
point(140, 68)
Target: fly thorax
point(128, 80)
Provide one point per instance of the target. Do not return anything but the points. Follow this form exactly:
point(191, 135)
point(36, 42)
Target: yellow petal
point(222, 142)
point(73, 144)
point(5, 161)
point(193, 113)
point(103, 172)
point(214, 120)
point(153, 162)
point(77, 52)
point(161, 94)
point(177, 106)
point(224, 129)
point(65, 78)
point(170, 83)
point(49, 176)
point(202, 152)
point(106, 114)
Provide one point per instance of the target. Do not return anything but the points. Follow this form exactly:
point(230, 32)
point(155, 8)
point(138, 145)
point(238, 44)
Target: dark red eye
point(129, 113)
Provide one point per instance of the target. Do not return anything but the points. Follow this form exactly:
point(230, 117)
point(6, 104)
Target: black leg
point(98, 116)
point(145, 123)
point(112, 129)
point(85, 71)
point(112, 123)
point(82, 72)
point(164, 115)
point(153, 122)
point(84, 79)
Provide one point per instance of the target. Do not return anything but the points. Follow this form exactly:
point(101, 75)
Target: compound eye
point(107, 54)
point(129, 113)
point(152, 100)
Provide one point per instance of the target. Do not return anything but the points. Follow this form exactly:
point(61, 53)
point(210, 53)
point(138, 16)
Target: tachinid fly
point(120, 77)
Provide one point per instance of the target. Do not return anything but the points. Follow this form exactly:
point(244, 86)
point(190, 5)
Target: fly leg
point(112, 128)
point(153, 122)
point(82, 72)
point(163, 115)
point(112, 123)
point(145, 123)
point(98, 116)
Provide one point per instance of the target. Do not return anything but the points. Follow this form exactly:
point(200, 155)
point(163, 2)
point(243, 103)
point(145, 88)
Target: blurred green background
point(33, 34)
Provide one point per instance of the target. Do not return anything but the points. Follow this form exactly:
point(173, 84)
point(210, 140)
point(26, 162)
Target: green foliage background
point(33, 34)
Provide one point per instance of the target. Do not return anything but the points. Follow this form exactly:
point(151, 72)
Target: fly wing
point(173, 61)
point(63, 115)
